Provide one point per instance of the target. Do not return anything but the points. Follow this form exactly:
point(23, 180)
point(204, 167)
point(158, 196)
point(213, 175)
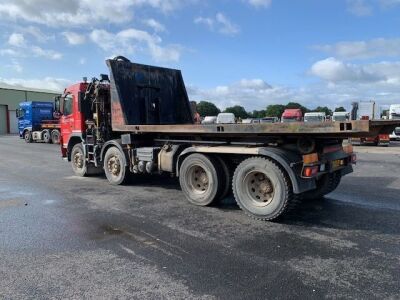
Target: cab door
point(67, 119)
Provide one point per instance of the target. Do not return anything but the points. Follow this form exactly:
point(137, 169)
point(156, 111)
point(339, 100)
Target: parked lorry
point(368, 110)
point(394, 114)
point(138, 121)
point(340, 116)
point(38, 121)
point(292, 115)
point(315, 117)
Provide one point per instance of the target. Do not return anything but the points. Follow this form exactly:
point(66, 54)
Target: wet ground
point(67, 237)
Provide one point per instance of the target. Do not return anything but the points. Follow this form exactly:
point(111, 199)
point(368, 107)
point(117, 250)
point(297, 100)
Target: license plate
point(337, 163)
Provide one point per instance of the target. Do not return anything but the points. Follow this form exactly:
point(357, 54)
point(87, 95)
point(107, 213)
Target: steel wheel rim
point(78, 160)
point(26, 136)
point(258, 188)
point(197, 179)
point(114, 165)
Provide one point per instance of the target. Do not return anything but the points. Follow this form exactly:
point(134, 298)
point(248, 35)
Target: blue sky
point(247, 52)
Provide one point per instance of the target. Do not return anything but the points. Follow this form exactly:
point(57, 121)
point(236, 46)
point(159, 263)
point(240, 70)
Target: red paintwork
point(293, 114)
point(75, 121)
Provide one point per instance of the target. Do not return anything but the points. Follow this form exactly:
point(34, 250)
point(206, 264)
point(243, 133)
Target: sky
point(239, 52)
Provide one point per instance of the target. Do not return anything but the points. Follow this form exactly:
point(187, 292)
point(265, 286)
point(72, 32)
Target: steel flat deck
point(326, 129)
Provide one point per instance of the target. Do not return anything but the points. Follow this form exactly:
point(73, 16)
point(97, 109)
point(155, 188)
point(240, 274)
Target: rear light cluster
point(310, 171)
point(311, 165)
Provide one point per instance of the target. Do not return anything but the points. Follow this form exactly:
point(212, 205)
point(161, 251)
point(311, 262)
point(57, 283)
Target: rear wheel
point(115, 166)
point(325, 185)
point(226, 178)
point(46, 136)
point(55, 136)
point(28, 136)
point(261, 188)
point(200, 179)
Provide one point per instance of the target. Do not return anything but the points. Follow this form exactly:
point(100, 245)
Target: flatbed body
point(318, 130)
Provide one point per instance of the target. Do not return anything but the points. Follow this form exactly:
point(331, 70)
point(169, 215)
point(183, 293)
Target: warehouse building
point(10, 97)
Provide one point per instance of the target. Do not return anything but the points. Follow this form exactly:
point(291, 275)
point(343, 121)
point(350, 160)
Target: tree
point(275, 110)
point(324, 109)
point(238, 111)
point(294, 105)
point(205, 108)
point(340, 109)
point(258, 114)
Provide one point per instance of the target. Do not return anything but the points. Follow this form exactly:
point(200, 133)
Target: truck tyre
point(78, 161)
point(55, 136)
point(325, 185)
point(262, 189)
point(226, 178)
point(115, 166)
point(28, 136)
point(46, 136)
point(201, 179)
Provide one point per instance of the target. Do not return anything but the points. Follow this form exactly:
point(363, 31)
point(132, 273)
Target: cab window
point(67, 109)
point(20, 113)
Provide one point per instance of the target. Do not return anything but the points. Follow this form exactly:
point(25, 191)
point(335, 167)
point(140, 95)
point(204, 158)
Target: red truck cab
point(292, 115)
point(72, 120)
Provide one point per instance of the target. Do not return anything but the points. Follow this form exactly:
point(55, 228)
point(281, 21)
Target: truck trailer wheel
point(200, 179)
point(115, 166)
point(55, 136)
point(28, 136)
point(46, 136)
point(226, 178)
point(261, 188)
point(325, 185)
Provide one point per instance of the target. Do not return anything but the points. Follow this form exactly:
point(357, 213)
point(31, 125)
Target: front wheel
point(261, 188)
point(78, 161)
point(115, 166)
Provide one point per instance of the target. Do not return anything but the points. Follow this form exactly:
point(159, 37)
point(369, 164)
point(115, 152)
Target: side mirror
point(57, 104)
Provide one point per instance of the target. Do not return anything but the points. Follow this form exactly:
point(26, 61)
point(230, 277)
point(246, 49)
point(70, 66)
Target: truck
point(394, 114)
point(315, 117)
point(339, 116)
point(367, 110)
point(292, 115)
point(38, 121)
point(137, 121)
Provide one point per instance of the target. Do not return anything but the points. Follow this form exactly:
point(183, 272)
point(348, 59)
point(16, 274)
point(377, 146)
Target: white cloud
point(45, 53)
point(260, 3)
point(82, 61)
point(131, 40)
point(379, 47)
point(219, 23)
point(360, 8)
point(38, 34)
point(16, 40)
point(67, 13)
point(20, 48)
point(74, 38)
point(333, 70)
point(47, 83)
point(15, 66)
point(155, 25)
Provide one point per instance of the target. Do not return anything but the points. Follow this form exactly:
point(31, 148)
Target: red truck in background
point(292, 115)
point(367, 110)
point(139, 121)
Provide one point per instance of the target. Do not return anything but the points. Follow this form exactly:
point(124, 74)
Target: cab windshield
point(289, 119)
point(313, 119)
